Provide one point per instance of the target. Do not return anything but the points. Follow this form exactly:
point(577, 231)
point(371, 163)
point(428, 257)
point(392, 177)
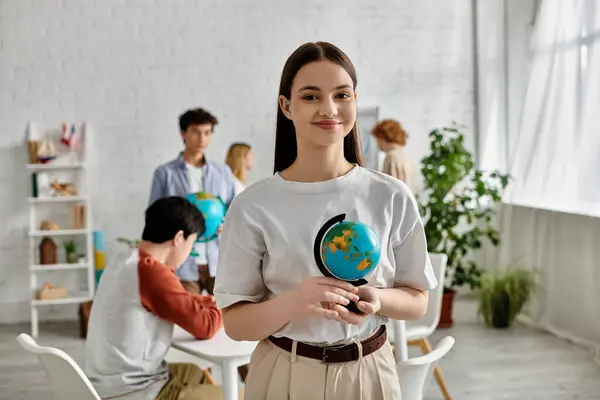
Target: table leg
point(400, 341)
point(230, 380)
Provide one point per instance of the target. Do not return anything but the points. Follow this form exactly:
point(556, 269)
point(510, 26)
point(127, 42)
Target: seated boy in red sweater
point(138, 301)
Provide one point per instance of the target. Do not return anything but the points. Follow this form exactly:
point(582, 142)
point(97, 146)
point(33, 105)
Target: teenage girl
point(268, 283)
point(240, 159)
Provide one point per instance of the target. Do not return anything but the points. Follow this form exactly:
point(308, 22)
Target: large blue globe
point(350, 250)
point(213, 210)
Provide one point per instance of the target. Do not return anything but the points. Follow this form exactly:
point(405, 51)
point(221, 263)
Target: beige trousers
point(276, 374)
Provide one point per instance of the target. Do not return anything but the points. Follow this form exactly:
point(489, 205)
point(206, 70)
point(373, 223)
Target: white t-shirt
point(238, 186)
point(196, 175)
point(266, 248)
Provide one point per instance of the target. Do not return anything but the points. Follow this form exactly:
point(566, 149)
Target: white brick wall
point(131, 66)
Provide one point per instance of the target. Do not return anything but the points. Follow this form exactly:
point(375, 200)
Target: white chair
point(413, 372)
point(416, 333)
point(68, 380)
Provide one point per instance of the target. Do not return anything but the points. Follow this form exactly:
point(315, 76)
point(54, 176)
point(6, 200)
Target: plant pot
point(72, 258)
point(446, 320)
point(501, 311)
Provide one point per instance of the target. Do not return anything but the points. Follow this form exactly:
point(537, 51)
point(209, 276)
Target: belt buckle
point(327, 351)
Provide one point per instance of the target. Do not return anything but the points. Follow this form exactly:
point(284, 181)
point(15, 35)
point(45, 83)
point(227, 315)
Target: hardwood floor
point(520, 363)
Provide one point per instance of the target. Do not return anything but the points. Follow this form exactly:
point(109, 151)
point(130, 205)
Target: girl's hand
point(309, 297)
point(368, 304)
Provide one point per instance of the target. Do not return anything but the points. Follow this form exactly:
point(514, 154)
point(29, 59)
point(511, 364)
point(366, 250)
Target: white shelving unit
point(71, 161)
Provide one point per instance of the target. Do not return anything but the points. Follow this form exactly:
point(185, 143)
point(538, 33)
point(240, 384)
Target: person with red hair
point(391, 138)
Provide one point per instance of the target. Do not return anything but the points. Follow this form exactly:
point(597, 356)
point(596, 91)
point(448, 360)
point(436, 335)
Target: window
point(555, 156)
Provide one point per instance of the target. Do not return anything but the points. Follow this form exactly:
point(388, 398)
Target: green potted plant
point(501, 297)
point(71, 251)
point(457, 203)
point(131, 243)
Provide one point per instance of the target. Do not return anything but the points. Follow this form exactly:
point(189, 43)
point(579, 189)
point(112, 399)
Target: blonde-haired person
point(240, 159)
point(391, 138)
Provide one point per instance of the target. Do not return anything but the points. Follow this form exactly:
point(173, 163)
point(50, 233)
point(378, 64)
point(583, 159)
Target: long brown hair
point(286, 147)
point(236, 159)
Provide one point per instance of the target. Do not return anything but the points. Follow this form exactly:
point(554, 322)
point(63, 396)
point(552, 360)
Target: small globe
point(350, 250)
point(213, 210)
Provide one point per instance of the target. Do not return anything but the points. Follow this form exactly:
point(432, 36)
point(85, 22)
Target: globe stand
point(352, 307)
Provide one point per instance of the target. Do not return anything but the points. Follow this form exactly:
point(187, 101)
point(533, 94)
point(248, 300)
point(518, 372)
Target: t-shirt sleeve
point(409, 244)
point(163, 295)
point(241, 251)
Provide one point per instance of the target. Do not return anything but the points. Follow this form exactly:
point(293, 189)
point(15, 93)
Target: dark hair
point(286, 147)
point(169, 215)
point(196, 116)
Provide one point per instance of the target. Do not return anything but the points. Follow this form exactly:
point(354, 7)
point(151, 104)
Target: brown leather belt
point(334, 354)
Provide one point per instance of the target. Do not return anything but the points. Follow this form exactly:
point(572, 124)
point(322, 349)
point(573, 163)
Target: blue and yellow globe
point(213, 210)
point(350, 250)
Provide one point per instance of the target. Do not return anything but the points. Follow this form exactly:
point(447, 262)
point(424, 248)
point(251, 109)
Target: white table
point(401, 341)
point(397, 335)
point(221, 350)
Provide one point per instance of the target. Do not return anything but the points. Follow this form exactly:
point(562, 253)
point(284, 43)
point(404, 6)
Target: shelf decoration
point(78, 216)
point(48, 252)
point(62, 188)
point(33, 146)
point(46, 151)
point(48, 225)
point(71, 252)
point(49, 292)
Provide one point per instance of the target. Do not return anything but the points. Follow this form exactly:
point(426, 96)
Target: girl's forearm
point(403, 303)
point(256, 321)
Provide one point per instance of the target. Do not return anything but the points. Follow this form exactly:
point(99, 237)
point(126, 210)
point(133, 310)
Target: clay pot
point(446, 320)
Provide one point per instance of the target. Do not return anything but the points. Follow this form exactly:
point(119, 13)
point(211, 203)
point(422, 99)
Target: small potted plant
point(457, 204)
point(501, 297)
point(71, 251)
point(131, 243)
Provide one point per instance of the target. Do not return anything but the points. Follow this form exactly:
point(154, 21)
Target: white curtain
point(491, 61)
point(555, 159)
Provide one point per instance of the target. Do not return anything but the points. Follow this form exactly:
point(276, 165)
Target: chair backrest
point(434, 307)
point(413, 372)
point(68, 380)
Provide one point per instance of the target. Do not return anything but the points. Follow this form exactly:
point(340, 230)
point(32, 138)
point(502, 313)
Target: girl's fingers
point(335, 298)
point(324, 280)
point(323, 312)
point(348, 316)
point(366, 307)
point(345, 293)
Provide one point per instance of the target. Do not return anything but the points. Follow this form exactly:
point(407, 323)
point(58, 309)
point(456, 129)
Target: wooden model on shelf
point(48, 252)
point(32, 146)
point(62, 188)
point(46, 151)
point(78, 216)
point(48, 225)
point(49, 292)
